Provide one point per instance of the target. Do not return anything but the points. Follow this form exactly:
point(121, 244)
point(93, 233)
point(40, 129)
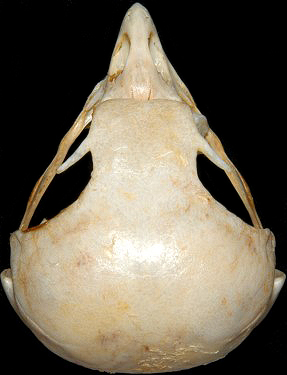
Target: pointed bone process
point(145, 272)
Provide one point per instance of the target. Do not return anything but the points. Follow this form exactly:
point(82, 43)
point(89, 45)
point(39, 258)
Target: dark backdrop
point(230, 55)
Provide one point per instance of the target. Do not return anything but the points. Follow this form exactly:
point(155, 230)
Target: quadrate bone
point(145, 272)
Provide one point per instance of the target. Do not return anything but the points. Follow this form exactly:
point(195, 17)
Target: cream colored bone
point(145, 272)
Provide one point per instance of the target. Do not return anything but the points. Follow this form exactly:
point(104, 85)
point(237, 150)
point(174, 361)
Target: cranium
point(145, 271)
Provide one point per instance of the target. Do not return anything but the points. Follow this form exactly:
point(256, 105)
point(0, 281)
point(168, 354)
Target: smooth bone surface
point(145, 272)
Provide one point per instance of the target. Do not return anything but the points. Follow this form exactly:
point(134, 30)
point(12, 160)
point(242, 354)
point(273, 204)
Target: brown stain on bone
point(249, 241)
point(114, 76)
point(108, 339)
point(224, 302)
point(266, 288)
point(128, 195)
point(228, 228)
point(84, 259)
point(250, 244)
point(25, 275)
point(104, 339)
point(234, 264)
point(123, 306)
point(22, 278)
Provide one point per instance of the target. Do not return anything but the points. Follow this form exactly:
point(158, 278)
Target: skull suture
point(146, 271)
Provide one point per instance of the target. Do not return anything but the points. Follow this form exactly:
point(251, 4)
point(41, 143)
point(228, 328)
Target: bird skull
point(145, 271)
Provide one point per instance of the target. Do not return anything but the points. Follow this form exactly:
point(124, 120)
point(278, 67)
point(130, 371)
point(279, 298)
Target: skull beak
point(139, 68)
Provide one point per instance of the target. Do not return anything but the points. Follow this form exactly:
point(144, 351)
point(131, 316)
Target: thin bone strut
point(182, 90)
point(236, 179)
point(75, 157)
point(44, 181)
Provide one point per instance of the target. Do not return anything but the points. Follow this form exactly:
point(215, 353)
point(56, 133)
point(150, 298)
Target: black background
point(230, 56)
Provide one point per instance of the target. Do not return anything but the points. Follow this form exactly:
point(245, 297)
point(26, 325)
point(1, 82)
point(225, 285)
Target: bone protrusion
point(81, 151)
point(6, 279)
point(208, 151)
point(201, 123)
point(278, 283)
point(235, 177)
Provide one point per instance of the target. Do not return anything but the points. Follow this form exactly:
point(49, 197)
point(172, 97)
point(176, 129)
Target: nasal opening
point(120, 57)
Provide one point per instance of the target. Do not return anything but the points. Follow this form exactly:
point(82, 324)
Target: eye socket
point(216, 182)
point(65, 188)
point(123, 46)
